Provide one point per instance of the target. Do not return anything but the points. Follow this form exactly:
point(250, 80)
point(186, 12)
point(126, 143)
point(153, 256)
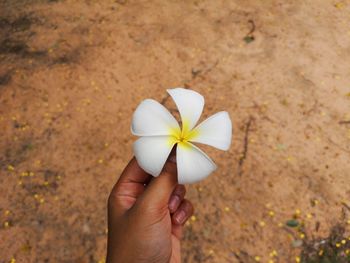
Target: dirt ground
point(72, 73)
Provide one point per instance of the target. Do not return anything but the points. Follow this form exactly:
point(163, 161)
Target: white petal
point(190, 105)
point(152, 152)
point(193, 165)
point(152, 118)
point(215, 131)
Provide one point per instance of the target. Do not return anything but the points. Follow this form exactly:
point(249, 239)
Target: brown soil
point(72, 73)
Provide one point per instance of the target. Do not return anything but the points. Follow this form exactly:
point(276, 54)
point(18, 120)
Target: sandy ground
point(73, 72)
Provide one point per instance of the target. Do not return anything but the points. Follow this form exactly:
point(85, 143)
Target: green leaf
point(248, 39)
point(292, 223)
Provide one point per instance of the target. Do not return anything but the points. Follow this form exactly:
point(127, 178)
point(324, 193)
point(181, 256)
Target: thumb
point(159, 190)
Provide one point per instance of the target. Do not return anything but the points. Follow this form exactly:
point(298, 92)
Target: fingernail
point(174, 203)
point(180, 217)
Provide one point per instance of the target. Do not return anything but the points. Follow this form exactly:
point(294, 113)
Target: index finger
point(133, 173)
point(129, 187)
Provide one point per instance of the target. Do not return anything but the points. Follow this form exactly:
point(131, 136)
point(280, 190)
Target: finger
point(133, 173)
point(183, 213)
point(159, 190)
point(176, 197)
point(128, 188)
point(132, 181)
point(177, 230)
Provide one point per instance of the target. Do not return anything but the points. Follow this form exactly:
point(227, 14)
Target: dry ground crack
point(245, 145)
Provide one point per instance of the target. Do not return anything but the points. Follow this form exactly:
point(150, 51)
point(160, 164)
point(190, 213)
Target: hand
point(146, 215)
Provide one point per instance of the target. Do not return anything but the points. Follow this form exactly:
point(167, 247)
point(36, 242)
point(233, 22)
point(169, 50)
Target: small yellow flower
point(273, 253)
point(339, 5)
point(257, 258)
point(290, 158)
point(10, 167)
point(193, 218)
point(297, 259)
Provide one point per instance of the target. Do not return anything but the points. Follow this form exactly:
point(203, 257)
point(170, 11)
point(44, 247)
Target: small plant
point(333, 249)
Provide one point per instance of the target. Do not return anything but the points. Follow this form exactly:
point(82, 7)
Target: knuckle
point(111, 199)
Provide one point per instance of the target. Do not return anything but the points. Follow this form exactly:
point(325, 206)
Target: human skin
point(146, 216)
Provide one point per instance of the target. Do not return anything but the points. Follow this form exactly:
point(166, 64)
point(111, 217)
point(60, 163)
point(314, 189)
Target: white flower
point(159, 132)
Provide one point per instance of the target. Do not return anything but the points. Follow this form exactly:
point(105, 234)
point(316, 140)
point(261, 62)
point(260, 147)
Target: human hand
point(146, 216)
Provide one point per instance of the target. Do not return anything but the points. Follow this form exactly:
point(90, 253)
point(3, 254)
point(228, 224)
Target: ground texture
point(73, 72)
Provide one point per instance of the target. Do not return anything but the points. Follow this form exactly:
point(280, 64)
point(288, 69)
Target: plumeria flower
point(159, 132)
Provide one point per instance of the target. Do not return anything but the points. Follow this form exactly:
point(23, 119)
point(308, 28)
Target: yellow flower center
point(183, 135)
